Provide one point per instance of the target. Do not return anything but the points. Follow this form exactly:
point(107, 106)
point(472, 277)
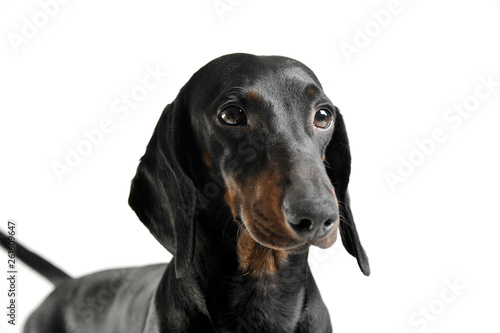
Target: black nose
point(311, 219)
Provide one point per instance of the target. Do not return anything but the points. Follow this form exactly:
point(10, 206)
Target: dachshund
point(246, 169)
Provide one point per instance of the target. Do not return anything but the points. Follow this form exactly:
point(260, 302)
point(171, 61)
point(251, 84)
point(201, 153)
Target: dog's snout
point(311, 219)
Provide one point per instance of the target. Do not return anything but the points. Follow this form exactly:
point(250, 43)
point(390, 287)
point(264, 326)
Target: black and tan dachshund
point(246, 169)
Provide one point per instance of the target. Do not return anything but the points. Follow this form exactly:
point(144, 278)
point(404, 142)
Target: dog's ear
point(162, 194)
point(338, 167)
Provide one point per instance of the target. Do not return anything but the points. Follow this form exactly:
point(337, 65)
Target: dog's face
point(265, 129)
point(265, 126)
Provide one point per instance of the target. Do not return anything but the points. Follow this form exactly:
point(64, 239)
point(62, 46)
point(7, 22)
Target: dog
point(246, 169)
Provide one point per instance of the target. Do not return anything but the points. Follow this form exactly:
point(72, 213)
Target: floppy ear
point(338, 161)
point(162, 194)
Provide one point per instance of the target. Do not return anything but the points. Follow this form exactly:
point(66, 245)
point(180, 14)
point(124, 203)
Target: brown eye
point(323, 119)
point(233, 115)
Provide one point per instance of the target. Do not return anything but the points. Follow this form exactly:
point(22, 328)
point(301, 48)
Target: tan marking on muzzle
point(265, 236)
point(263, 214)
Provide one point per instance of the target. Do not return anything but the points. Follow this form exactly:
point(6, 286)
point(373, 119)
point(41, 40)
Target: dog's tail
point(42, 266)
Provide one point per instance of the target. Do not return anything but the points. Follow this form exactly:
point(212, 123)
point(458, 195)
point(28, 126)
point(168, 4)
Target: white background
point(438, 227)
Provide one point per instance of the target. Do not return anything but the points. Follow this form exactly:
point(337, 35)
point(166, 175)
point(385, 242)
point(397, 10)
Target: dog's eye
point(233, 115)
point(323, 119)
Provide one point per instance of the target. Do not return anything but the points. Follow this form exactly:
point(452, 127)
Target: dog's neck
point(261, 290)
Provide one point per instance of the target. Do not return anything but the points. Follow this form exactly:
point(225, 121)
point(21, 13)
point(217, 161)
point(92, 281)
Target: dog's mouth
point(260, 211)
point(263, 251)
point(277, 235)
point(266, 236)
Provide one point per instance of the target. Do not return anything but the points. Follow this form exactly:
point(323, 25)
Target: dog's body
point(234, 184)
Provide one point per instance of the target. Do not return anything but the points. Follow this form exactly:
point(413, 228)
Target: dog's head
point(267, 129)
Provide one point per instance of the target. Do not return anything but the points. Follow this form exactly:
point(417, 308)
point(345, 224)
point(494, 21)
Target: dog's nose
point(311, 219)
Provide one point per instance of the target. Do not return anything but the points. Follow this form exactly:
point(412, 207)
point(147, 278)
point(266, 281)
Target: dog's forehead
point(280, 84)
point(284, 84)
point(276, 75)
point(246, 70)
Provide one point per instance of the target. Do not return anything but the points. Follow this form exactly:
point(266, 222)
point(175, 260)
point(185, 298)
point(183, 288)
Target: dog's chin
point(322, 243)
